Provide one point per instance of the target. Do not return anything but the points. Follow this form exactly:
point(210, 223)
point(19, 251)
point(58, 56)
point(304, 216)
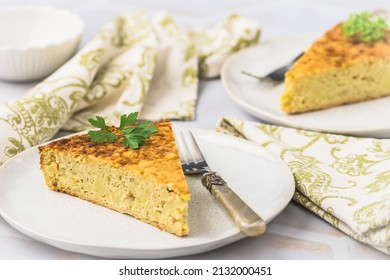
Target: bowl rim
point(78, 30)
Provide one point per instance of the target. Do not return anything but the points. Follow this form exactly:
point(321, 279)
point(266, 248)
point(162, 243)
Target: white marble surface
point(295, 233)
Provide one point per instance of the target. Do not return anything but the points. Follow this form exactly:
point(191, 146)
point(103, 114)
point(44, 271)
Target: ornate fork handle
point(193, 162)
point(243, 216)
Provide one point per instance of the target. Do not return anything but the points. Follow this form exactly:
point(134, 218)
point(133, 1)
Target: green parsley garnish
point(134, 133)
point(364, 28)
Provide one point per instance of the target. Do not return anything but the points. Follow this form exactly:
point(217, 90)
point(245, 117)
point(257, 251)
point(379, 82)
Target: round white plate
point(370, 118)
point(262, 180)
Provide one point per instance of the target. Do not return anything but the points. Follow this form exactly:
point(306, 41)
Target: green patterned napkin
point(344, 180)
point(135, 63)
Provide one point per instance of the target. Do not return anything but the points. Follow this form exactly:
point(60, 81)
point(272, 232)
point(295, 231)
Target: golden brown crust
point(335, 50)
point(158, 159)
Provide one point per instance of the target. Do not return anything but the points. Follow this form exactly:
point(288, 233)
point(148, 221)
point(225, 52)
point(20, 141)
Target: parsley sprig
point(364, 28)
point(135, 134)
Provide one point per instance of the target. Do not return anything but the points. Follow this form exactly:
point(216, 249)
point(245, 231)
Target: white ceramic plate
point(263, 180)
point(368, 118)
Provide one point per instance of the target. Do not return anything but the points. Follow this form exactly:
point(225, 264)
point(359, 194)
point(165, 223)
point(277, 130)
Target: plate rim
point(229, 236)
point(279, 120)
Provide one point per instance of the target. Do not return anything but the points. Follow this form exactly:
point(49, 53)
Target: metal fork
point(276, 75)
point(193, 162)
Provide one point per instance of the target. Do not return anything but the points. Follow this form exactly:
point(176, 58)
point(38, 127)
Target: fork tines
point(191, 153)
point(192, 160)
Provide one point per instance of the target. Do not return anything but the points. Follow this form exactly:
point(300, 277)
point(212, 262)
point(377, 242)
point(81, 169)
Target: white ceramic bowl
point(36, 40)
